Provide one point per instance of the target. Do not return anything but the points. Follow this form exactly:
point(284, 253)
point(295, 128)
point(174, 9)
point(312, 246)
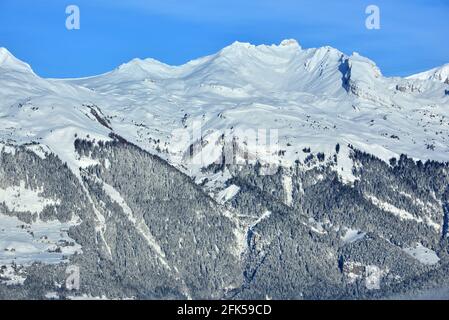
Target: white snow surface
point(353, 235)
point(401, 213)
point(21, 199)
point(440, 74)
point(423, 254)
point(302, 98)
point(228, 193)
point(47, 242)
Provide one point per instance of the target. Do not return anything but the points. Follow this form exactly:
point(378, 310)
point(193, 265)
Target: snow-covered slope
point(440, 74)
point(308, 98)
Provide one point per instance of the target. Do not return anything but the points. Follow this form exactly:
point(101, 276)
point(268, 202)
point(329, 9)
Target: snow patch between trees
point(47, 242)
point(228, 193)
point(21, 199)
point(423, 254)
point(288, 189)
point(401, 213)
point(353, 235)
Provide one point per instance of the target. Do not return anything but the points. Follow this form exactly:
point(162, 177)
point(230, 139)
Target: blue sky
point(413, 36)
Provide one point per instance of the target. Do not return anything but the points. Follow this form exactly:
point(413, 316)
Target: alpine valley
point(142, 182)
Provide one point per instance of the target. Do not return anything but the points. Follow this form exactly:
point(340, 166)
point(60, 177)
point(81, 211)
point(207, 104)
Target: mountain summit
point(9, 61)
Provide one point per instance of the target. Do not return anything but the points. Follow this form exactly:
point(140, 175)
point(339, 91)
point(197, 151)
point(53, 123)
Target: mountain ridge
point(440, 73)
point(244, 78)
point(286, 43)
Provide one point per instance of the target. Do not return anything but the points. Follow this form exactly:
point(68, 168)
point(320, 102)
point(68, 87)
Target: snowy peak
point(243, 52)
point(240, 69)
point(147, 65)
point(358, 69)
point(363, 79)
point(319, 59)
point(273, 68)
point(440, 74)
point(237, 45)
point(8, 61)
point(4, 55)
point(364, 66)
point(236, 53)
point(242, 46)
point(290, 43)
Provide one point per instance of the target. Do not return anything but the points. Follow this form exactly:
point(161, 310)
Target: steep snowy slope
point(440, 74)
point(44, 112)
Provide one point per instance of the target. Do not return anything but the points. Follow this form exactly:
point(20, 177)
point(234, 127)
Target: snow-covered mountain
point(314, 98)
point(324, 120)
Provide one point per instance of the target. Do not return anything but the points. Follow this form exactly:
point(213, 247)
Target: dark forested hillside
point(148, 231)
